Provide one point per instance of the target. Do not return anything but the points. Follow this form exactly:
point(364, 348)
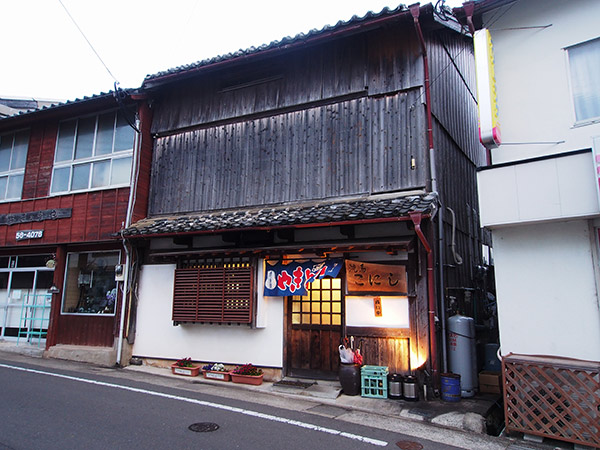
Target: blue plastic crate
point(373, 381)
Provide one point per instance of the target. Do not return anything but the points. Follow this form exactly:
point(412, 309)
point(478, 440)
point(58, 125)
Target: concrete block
point(102, 356)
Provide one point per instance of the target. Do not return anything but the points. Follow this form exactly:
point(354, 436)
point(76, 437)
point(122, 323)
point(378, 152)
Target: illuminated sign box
point(489, 127)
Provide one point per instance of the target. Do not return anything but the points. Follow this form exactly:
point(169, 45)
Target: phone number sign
point(29, 234)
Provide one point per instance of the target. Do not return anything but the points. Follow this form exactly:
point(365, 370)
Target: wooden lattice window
point(322, 304)
point(214, 293)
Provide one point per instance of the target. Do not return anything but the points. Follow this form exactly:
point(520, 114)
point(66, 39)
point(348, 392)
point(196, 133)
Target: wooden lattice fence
point(552, 397)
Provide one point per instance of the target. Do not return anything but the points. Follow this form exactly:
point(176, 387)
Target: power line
point(89, 43)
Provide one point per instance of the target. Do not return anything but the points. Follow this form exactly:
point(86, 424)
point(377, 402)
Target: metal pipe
point(416, 219)
point(130, 206)
point(415, 11)
point(441, 289)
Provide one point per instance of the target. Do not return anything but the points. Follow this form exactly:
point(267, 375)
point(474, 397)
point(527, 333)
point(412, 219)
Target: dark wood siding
point(457, 148)
point(40, 158)
point(96, 216)
point(353, 147)
point(86, 330)
point(381, 61)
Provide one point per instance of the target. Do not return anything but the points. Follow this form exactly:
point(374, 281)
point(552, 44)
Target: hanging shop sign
point(291, 278)
point(377, 307)
point(362, 277)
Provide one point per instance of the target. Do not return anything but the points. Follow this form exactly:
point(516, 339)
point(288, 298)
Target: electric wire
point(118, 93)
point(88, 41)
point(494, 19)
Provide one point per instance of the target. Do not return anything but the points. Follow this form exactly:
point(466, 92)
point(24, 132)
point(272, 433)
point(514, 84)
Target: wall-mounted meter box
point(119, 273)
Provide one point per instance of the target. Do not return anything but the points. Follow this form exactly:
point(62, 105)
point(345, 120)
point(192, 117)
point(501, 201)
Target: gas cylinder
point(462, 358)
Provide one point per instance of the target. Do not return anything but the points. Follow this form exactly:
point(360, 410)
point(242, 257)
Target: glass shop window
point(90, 286)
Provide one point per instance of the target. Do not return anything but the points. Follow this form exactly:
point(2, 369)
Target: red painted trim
point(416, 218)
point(59, 276)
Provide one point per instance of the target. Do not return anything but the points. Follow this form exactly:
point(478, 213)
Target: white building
point(539, 197)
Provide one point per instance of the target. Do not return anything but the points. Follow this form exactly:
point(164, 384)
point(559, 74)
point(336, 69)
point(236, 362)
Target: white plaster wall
point(360, 312)
point(532, 81)
point(156, 336)
point(550, 189)
point(547, 299)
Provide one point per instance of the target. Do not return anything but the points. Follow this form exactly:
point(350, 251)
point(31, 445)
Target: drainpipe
point(128, 217)
point(415, 12)
point(416, 219)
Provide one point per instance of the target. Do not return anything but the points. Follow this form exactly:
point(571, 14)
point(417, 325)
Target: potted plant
point(216, 371)
point(186, 367)
point(247, 374)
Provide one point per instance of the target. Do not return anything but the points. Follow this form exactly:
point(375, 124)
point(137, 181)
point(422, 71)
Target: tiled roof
point(288, 41)
point(287, 216)
point(67, 103)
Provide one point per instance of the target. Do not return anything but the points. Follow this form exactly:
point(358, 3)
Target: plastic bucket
point(450, 387)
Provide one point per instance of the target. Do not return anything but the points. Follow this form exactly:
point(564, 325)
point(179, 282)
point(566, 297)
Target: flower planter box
point(191, 371)
point(247, 379)
point(217, 375)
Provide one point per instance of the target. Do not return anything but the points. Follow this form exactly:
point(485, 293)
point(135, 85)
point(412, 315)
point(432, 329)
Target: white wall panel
point(156, 336)
point(547, 300)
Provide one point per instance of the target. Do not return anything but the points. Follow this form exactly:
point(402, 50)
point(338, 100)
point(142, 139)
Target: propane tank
point(461, 352)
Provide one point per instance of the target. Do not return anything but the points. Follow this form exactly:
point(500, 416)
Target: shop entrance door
point(24, 300)
point(314, 330)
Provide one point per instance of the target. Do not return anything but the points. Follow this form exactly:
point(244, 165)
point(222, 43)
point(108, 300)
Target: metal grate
point(553, 397)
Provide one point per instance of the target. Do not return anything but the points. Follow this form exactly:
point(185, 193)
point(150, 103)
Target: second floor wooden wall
point(341, 118)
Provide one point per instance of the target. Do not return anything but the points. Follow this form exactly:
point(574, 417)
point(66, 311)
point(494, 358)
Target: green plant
point(247, 369)
point(184, 362)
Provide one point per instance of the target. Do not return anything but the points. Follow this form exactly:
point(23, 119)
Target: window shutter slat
point(214, 294)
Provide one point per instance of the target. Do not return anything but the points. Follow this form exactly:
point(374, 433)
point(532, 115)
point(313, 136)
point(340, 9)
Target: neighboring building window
point(214, 293)
point(13, 156)
point(584, 66)
point(90, 286)
point(92, 153)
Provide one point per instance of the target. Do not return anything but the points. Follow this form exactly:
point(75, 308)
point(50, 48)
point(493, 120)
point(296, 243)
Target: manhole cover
point(203, 427)
point(409, 445)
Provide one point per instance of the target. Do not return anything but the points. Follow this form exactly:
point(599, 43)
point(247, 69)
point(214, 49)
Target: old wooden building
point(65, 176)
point(296, 196)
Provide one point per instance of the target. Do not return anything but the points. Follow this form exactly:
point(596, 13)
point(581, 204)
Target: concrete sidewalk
point(467, 414)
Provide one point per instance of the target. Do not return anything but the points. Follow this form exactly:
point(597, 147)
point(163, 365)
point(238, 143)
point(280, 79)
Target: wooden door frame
point(287, 325)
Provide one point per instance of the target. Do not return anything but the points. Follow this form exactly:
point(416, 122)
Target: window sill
point(584, 123)
point(87, 314)
point(83, 191)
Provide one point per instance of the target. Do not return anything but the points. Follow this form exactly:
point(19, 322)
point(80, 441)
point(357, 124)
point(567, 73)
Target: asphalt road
point(50, 408)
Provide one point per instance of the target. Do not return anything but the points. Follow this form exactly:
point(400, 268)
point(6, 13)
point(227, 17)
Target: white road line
point(247, 412)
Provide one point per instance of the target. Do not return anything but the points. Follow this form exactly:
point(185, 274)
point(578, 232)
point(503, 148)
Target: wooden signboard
point(364, 277)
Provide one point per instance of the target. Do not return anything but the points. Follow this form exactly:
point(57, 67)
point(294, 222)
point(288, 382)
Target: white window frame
point(13, 172)
point(586, 121)
point(91, 160)
point(65, 281)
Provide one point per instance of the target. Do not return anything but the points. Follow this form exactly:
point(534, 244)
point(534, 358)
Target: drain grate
point(203, 427)
point(409, 445)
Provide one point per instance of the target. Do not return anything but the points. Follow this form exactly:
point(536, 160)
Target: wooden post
point(58, 280)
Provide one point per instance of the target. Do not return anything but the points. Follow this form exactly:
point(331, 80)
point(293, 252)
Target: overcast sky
point(44, 56)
